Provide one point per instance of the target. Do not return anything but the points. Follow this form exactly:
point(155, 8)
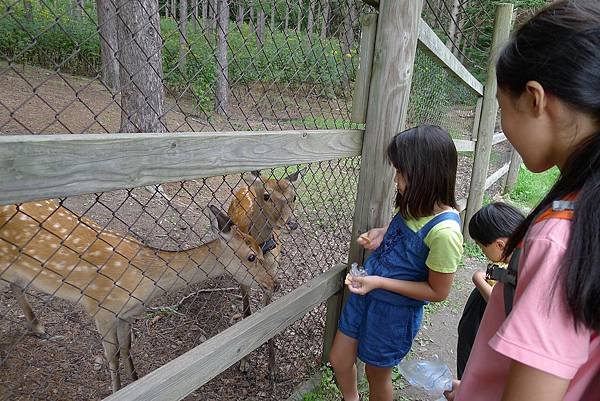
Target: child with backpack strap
point(490, 228)
point(540, 342)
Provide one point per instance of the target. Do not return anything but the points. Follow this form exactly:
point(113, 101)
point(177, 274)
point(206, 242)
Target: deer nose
point(292, 224)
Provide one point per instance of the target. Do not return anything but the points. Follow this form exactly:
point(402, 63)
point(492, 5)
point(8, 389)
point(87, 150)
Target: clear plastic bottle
point(357, 271)
point(432, 376)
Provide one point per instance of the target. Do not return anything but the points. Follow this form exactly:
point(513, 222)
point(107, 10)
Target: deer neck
point(261, 227)
point(171, 271)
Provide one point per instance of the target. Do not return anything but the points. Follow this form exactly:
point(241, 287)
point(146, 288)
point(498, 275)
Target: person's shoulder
point(555, 230)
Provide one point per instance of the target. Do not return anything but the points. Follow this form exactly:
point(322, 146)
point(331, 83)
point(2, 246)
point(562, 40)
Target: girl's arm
point(484, 288)
point(527, 383)
point(435, 289)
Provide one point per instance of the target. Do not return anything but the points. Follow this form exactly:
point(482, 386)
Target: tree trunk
point(28, 10)
point(212, 19)
point(195, 15)
point(252, 25)
point(260, 30)
point(240, 14)
point(273, 12)
point(222, 84)
point(174, 9)
point(452, 25)
point(204, 14)
point(348, 34)
point(107, 30)
point(309, 22)
point(325, 21)
point(287, 19)
point(348, 39)
point(141, 78)
point(299, 15)
point(182, 36)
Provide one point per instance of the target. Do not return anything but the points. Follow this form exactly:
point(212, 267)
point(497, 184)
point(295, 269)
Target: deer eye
point(251, 257)
point(294, 198)
point(267, 196)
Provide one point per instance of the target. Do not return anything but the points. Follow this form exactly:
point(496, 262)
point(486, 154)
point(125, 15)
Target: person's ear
point(535, 97)
point(501, 243)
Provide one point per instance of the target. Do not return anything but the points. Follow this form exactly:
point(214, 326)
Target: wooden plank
point(363, 75)
point(46, 166)
point(432, 44)
point(498, 137)
point(463, 145)
point(477, 119)
point(497, 175)
point(181, 376)
point(489, 111)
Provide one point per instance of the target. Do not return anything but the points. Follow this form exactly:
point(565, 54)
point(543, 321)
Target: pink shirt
point(539, 331)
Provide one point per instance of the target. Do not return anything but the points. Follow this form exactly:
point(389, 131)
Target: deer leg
point(32, 322)
point(247, 311)
point(110, 342)
point(124, 337)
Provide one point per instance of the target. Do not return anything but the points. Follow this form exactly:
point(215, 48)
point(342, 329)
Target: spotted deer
point(262, 209)
point(113, 277)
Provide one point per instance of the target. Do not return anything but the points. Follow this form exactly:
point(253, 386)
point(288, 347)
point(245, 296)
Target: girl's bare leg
point(380, 383)
point(342, 358)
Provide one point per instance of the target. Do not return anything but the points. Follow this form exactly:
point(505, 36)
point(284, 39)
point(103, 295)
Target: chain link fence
point(109, 66)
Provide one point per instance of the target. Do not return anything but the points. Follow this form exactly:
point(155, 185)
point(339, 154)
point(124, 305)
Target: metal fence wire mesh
point(147, 255)
point(78, 67)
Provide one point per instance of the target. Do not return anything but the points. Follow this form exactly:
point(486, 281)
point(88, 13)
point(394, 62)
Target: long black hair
point(427, 159)
point(560, 49)
point(493, 221)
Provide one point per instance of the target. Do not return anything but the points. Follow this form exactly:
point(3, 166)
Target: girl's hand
point(452, 393)
point(372, 238)
point(362, 285)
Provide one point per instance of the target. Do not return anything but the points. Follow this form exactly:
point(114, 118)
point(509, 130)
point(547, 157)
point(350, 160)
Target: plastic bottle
point(357, 271)
point(432, 376)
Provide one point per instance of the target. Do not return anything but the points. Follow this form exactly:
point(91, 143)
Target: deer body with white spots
point(113, 277)
point(262, 209)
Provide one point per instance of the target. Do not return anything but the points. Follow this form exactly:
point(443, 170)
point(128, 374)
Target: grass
point(532, 187)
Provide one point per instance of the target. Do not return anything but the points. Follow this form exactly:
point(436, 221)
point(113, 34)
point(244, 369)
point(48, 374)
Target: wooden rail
point(181, 376)
point(431, 43)
point(489, 181)
point(46, 166)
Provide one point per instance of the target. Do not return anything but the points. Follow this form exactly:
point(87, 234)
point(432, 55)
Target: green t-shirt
point(445, 243)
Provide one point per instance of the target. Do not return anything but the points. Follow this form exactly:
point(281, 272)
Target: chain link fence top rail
point(78, 67)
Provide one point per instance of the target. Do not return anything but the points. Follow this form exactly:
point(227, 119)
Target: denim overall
point(384, 322)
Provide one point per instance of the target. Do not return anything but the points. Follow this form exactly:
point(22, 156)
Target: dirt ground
point(70, 366)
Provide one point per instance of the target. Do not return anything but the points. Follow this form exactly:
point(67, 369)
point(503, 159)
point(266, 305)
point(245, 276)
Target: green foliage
point(56, 40)
point(531, 187)
point(472, 250)
point(326, 390)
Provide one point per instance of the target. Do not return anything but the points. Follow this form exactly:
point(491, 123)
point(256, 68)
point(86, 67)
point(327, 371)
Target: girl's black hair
point(560, 49)
point(427, 159)
point(496, 220)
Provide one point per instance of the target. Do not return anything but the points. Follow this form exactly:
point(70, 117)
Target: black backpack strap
point(511, 285)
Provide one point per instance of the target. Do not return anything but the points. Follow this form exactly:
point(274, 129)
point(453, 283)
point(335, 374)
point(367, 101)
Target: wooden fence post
point(391, 77)
point(360, 99)
point(489, 110)
point(513, 171)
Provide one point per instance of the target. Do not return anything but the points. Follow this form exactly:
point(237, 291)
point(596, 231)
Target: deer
point(114, 277)
point(262, 209)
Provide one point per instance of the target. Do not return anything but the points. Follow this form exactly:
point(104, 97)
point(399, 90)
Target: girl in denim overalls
point(413, 261)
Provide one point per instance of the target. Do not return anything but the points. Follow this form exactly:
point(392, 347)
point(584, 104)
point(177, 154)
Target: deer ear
point(294, 177)
point(221, 222)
